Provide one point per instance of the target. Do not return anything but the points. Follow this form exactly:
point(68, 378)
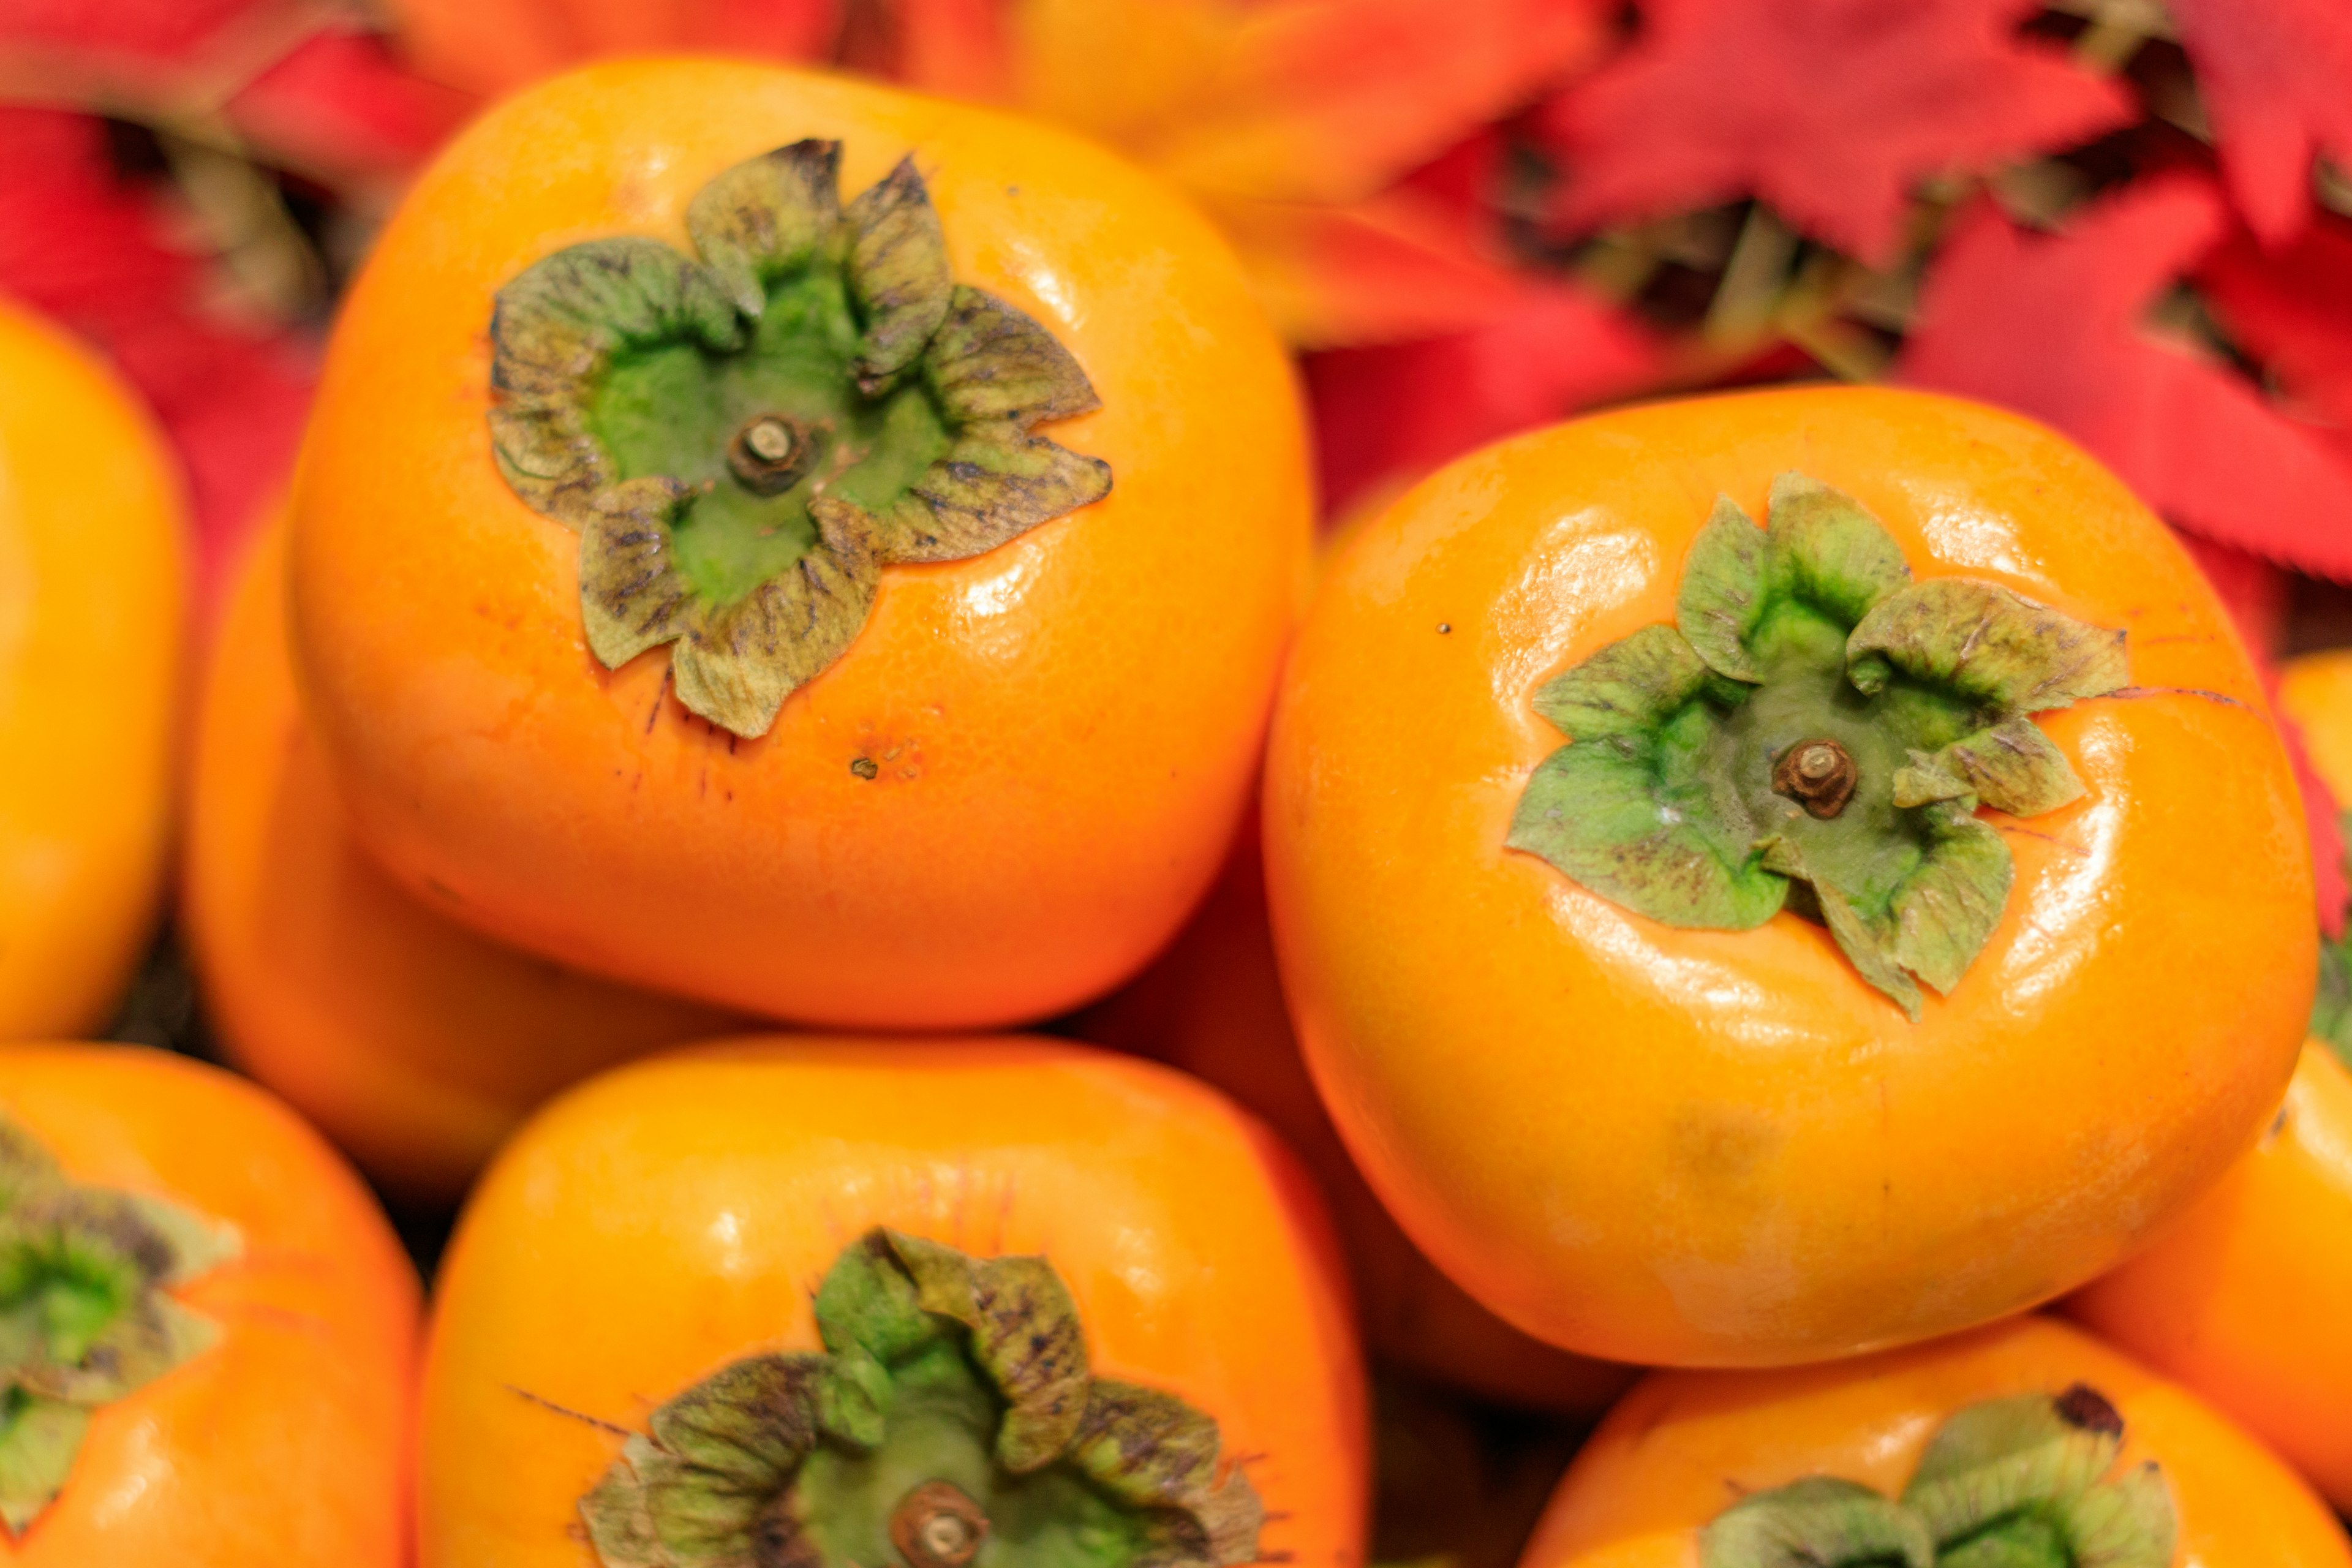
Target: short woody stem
point(1817, 774)
point(937, 1526)
point(770, 454)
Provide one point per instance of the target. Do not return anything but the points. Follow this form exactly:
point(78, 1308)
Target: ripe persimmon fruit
point(869, 1301)
point(92, 526)
point(414, 1042)
point(2244, 1297)
point(2023, 1444)
point(775, 539)
point(1735, 945)
point(214, 1331)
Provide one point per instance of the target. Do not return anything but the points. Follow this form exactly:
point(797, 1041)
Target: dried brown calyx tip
point(1817, 774)
point(2086, 1409)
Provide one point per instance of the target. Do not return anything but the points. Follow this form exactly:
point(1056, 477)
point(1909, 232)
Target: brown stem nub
point(2086, 1409)
point(770, 453)
point(937, 1526)
point(1817, 774)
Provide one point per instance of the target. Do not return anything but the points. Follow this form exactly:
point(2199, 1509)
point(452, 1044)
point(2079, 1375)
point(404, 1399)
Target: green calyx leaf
point(745, 437)
point(1812, 1525)
point(84, 1317)
point(2009, 1483)
point(1815, 717)
point(952, 1406)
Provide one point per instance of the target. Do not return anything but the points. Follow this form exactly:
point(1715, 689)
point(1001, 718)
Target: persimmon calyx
point(743, 438)
point(952, 1407)
point(85, 1319)
point(2009, 1483)
point(1815, 719)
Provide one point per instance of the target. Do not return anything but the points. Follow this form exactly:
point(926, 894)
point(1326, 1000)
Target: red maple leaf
point(338, 107)
point(90, 250)
point(2052, 326)
point(1827, 109)
point(2276, 78)
point(2291, 308)
point(1385, 416)
point(1417, 260)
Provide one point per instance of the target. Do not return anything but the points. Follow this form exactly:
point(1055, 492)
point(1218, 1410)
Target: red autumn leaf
point(308, 89)
point(89, 250)
point(339, 108)
point(2052, 326)
point(2291, 308)
point(1417, 260)
point(1829, 111)
point(1390, 268)
point(1385, 416)
point(2276, 78)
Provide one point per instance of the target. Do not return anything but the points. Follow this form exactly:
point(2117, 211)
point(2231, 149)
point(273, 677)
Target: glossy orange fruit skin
point(415, 1044)
point(92, 527)
point(2245, 1298)
point(676, 1214)
point(1683, 1445)
point(1066, 728)
point(1212, 1005)
point(287, 1441)
point(1722, 1148)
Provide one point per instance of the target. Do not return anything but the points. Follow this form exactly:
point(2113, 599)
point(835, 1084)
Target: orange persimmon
point(2315, 690)
point(2078, 1447)
point(863, 611)
point(1645, 914)
point(91, 546)
point(891, 1295)
point(2245, 1298)
point(218, 1371)
point(416, 1045)
point(1212, 1005)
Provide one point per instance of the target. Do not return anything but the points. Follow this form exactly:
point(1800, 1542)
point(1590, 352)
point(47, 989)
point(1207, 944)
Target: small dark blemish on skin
point(567, 1412)
point(2075, 850)
point(866, 768)
point(2225, 700)
point(1445, 628)
point(444, 889)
